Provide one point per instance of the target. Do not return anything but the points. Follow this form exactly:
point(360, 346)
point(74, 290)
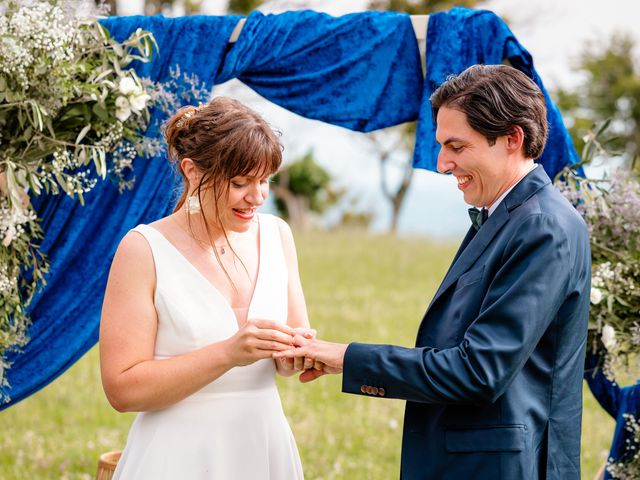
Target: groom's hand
point(288, 366)
point(325, 355)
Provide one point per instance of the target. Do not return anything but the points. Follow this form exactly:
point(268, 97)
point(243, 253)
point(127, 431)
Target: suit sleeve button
point(363, 388)
point(381, 392)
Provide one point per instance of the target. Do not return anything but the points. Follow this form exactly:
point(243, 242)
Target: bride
point(195, 306)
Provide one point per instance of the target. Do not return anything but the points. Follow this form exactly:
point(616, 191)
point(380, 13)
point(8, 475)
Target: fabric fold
point(360, 71)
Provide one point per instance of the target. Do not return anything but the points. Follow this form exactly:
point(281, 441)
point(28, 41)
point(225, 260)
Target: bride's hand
point(288, 366)
point(301, 336)
point(258, 339)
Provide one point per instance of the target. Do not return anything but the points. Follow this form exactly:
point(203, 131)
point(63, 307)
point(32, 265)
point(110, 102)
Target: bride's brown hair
point(224, 139)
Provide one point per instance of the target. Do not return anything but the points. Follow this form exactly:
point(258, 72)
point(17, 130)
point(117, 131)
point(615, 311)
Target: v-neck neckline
point(210, 284)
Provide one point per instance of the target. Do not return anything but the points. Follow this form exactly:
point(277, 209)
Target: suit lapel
point(474, 245)
point(467, 257)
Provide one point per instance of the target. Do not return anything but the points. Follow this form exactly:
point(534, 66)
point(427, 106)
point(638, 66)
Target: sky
point(554, 32)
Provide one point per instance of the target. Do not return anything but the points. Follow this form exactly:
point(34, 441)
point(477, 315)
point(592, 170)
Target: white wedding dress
point(234, 428)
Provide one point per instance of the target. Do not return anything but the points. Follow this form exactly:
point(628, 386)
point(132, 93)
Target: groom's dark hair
point(495, 98)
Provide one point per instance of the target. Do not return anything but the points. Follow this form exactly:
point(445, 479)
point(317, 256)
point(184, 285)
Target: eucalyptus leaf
point(14, 187)
point(100, 161)
point(82, 134)
point(37, 115)
point(101, 112)
point(63, 184)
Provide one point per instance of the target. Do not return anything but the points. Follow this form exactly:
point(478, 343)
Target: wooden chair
point(107, 465)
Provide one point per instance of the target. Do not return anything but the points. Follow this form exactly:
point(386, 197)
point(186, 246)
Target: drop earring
point(193, 205)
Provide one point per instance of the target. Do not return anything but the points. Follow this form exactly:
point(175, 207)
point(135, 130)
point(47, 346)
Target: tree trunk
point(398, 200)
point(297, 207)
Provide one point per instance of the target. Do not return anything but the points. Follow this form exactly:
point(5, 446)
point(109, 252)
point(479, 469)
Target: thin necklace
point(199, 242)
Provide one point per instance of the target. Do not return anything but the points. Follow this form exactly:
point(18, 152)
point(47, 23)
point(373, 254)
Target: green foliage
point(244, 7)
point(610, 90)
point(357, 288)
point(420, 7)
point(304, 179)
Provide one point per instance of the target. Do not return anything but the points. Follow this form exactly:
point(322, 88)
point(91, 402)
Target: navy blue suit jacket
point(493, 386)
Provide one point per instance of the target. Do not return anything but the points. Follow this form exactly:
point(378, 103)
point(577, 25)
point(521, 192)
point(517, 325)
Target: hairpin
point(183, 120)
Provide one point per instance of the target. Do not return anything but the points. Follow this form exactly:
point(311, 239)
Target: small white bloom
point(122, 102)
point(127, 86)
point(139, 102)
point(8, 238)
point(608, 336)
point(123, 109)
point(596, 296)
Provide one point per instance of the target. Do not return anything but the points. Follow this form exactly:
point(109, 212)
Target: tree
point(419, 7)
point(243, 7)
point(389, 146)
point(303, 187)
point(610, 90)
point(402, 138)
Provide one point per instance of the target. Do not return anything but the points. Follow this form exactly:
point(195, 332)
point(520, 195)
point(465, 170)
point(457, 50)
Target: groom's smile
point(483, 169)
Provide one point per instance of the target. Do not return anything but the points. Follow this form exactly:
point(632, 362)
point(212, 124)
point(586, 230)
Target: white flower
point(139, 102)
point(8, 238)
point(596, 296)
point(123, 109)
point(127, 86)
point(608, 337)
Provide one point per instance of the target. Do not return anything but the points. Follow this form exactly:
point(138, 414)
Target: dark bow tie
point(478, 217)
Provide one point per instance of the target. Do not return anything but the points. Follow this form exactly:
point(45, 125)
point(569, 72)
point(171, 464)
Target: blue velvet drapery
point(360, 71)
point(463, 37)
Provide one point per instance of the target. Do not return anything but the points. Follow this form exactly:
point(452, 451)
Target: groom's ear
point(515, 140)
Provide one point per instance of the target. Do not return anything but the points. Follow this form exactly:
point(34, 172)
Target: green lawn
point(358, 287)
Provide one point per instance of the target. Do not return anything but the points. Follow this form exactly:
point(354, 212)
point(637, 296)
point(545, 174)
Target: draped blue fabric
point(463, 37)
point(617, 401)
point(360, 71)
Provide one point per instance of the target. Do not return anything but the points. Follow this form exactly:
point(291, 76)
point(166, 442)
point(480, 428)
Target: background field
point(358, 287)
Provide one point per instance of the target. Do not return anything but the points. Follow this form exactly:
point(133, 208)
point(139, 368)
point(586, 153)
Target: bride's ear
point(192, 173)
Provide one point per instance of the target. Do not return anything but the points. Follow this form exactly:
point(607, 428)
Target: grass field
point(358, 287)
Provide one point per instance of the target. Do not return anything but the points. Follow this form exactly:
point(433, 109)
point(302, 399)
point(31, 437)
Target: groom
point(493, 386)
